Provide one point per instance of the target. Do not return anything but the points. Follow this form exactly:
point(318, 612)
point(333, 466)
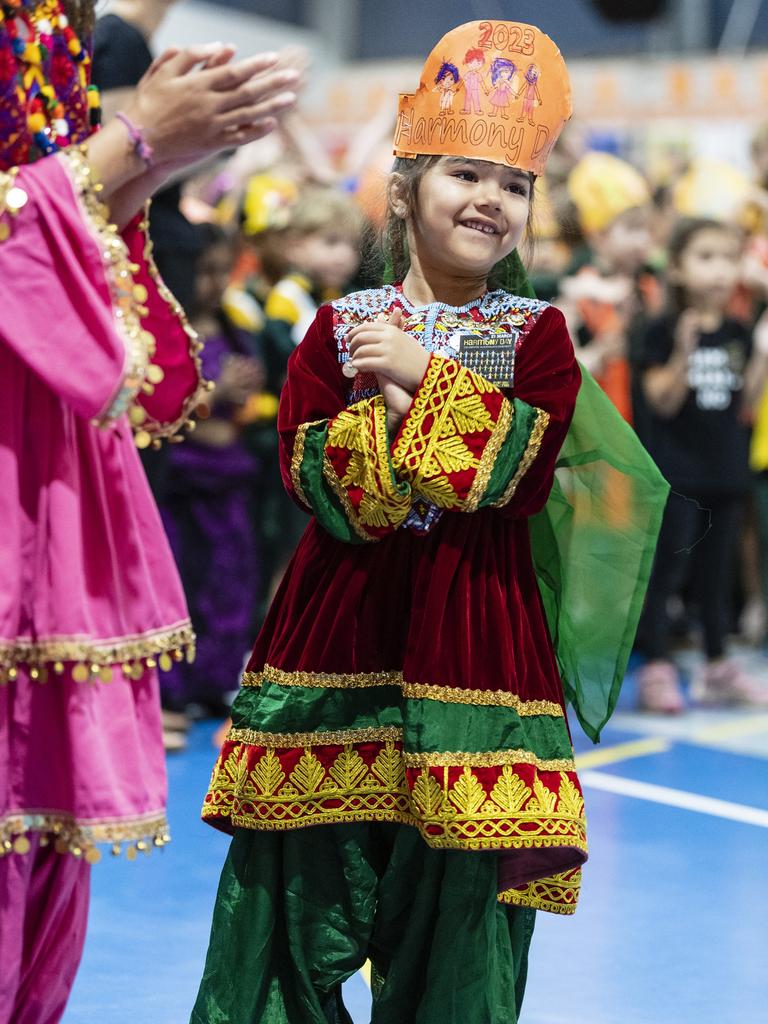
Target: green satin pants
point(299, 912)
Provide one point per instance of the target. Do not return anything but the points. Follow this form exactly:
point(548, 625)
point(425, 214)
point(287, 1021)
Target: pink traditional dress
point(93, 348)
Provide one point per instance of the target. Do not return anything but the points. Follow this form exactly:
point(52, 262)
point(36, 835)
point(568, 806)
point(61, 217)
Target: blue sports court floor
point(672, 926)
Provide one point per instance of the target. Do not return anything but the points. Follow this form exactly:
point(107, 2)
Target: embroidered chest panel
point(485, 336)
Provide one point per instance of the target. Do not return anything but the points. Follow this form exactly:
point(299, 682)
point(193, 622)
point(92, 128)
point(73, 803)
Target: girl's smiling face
point(469, 215)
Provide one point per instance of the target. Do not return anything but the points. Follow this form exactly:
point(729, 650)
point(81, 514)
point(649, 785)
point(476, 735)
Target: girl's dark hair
point(395, 235)
point(680, 238)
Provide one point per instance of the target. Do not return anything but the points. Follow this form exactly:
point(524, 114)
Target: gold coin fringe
point(67, 836)
point(94, 661)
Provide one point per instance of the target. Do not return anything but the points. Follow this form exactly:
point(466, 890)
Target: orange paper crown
point(492, 90)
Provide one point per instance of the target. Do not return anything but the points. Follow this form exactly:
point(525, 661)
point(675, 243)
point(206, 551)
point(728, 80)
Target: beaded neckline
point(477, 303)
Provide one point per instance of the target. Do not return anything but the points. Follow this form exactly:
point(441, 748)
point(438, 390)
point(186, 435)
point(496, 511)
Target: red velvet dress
point(405, 671)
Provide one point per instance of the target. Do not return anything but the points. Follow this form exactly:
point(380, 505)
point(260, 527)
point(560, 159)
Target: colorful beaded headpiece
point(46, 102)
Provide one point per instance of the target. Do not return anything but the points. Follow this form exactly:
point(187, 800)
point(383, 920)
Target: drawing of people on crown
point(447, 82)
point(504, 89)
point(531, 94)
point(472, 81)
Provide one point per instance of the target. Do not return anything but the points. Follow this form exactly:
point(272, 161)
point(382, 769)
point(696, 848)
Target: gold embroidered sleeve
point(463, 444)
point(341, 469)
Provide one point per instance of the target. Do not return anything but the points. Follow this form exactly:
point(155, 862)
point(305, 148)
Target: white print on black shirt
point(715, 374)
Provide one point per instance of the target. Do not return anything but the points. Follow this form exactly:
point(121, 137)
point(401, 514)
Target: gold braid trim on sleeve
point(530, 453)
point(416, 413)
point(339, 490)
point(488, 458)
point(297, 458)
point(361, 432)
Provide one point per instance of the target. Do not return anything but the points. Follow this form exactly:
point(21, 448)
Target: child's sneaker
point(659, 688)
point(725, 682)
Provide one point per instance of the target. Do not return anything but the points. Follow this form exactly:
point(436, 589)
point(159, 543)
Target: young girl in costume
point(701, 372)
point(399, 774)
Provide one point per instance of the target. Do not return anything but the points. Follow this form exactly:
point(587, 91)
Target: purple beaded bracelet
point(136, 135)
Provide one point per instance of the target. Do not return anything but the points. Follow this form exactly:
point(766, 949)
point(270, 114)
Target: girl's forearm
point(114, 160)
point(126, 180)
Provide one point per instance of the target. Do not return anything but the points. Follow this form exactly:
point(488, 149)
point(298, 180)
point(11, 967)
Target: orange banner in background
point(630, 90)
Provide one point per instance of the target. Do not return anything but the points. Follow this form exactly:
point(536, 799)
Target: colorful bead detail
point(46, 102)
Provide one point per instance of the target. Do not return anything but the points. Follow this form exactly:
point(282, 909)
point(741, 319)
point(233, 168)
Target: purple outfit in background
point(207, 516)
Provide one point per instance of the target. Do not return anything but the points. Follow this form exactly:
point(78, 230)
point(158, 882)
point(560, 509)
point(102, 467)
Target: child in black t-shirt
point(699, 376)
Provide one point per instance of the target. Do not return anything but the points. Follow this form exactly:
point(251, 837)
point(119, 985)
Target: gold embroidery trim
point(417, 691)
point(437, 450)
point(460, 813)
point(361, 431)
point(491, 698)
point(79, 836)
point(557, 894)
point(118, 270)
point(7, 186)
point(530, 453)
point(489, 456)
point(334, 680)
point(418, 408)
point(338, 489)
point(131, 652)
point(296, 460)
point(487, 759)
point(383, 734)
point(398, 505)
point(315, 739)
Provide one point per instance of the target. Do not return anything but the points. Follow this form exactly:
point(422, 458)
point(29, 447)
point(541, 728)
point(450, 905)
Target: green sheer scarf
point(594, 541)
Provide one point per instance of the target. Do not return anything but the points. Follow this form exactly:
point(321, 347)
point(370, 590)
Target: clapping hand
point(197, 101)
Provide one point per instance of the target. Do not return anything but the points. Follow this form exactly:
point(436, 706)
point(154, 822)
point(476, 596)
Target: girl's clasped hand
point(398, 360)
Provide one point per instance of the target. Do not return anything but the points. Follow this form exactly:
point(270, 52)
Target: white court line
point(675, 798)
